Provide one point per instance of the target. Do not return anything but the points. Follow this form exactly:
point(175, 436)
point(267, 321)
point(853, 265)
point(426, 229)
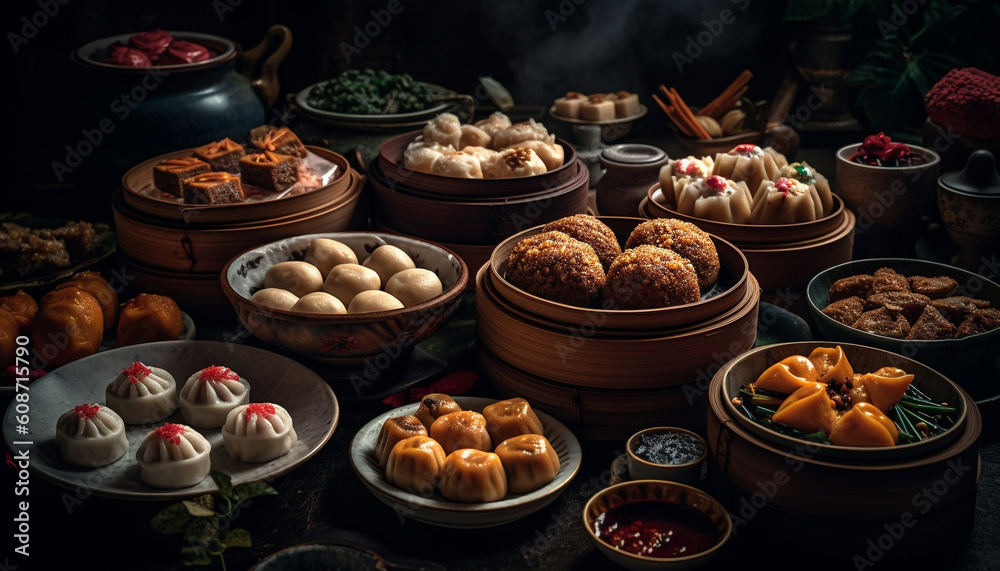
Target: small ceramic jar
point(630, 169)
point(969, 202)
point(666, 453)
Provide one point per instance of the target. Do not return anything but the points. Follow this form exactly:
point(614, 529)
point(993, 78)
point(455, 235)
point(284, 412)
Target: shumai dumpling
point(420, 154)
point(529, 461)
point(91, 435)
point(208, 396)
point(785, 201)
point(141, 394)
point(678, 173)
point(552, 154)
point(463, 429)
point(807, 175)
point(518, 133)
point(473, 136)
point(472, 476)
point(747, 163)
point(173, 456)
point(511, 417)
point(493, 124)
point(415, 464)
point(716, 198)
point(518, 162)
point(864, 425)
point(457, 165)
point(445, 129)
point(396, 429)
point(258, 432)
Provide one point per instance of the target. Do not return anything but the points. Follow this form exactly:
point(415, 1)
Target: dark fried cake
point(684, 238)
point(909, 303)
point(931, 325)
point(27, 251)
point(589, 229)
point(846, 310)
point(852, 286)
point(213, 188)
point(557, 267)
point(934, 288)
point(169, 175)
point(647, 277)
point(888, 279)
point(884, 322)
point(956, 308)
point(279, 140)
point(268, 170)
point(979, 321)
point(222, 156)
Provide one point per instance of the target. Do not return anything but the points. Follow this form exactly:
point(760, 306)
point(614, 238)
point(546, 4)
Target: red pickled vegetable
point(128, 57)
point(182, 51)
point(152, 43)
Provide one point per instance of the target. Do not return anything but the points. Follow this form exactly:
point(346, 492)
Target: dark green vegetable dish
point(371, 92)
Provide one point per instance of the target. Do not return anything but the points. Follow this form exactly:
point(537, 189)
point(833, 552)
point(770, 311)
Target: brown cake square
point(169, 175)
point(213, 188)
point(277, 140)
point(268, 170)
point(222, 156)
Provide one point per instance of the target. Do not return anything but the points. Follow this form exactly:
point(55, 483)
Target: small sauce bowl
point(666, 453)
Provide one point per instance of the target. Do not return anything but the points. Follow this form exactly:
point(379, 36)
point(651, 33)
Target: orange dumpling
point(393, 430)
point(415, 464)
point(511, 417)
point(434, 405)
point(864, 425)
point(472, 476)
point(809, 409)
point(883, 388)
point(462, 429)
point(788, 375)
point(832, 363)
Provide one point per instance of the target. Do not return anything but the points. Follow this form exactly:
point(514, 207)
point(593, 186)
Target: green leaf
point(203, 530)
point(237, 538)
point(223, 482)
point(172, 520)
point(198, 508)
point(252, 490)
point(195, 555)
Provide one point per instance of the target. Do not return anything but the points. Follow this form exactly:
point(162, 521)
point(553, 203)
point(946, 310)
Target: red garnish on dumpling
point(87, 410)
point(136, 372)
point(215, 373)
point(171, 433)
point(717, 182)
point(260, 409)
point(747, 150)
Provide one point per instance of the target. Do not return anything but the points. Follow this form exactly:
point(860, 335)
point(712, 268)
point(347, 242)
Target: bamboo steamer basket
point(850, 494)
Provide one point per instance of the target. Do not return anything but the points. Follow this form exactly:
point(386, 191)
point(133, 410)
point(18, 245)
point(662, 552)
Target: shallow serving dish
point(435, 510)
point(380, 119)
point(93, 53)
point(344, 341)
point(305, 395)
point(611, 129)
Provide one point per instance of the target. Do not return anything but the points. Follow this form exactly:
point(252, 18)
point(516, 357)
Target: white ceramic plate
point(273, 378)
point(436, 510)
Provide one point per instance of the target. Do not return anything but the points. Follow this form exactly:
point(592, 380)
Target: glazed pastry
point(457, 165)
point(493, 124)
point(420, 154)
point(208, 396)
point(22, 307)
point(529, 462)
point(716, 198)
point(852, 286)
point(91, 435)
point(258, 432)
point(68, 325)
point(554, 266)
point(591, 231)
point(280, 140)
point(463, 429)
point(270, 171)
point(648, 277)
point(221, 156)
point(863, 425)
point(597, 108)
point(473, 136)
point(393, 430)
point(213, 188)
point(473, 476)
point(831, 364)
point(414, 286)
point(570, 105)
point(746, 163)
point(518, 162)
point(9, 332)
point(552, 155)
point(685, 238)
point(910, 304)
point(415, 464)
point(434, 405)
point(510, 417)
point(678, 173)
point(173, 456)
point(445, 129)
point(626, 104)
point(785, 201)
point(934, 288)
point(95, 284)
point(808, 176)
point(518, 133)
point(141, 394)
point(788, 375)
point(149, 317)
point(809, 409)
point(169, 175)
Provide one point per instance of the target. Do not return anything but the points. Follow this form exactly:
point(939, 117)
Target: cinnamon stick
point(671, 114)
point(717, 106)
point(675, 98)
point(689, 124)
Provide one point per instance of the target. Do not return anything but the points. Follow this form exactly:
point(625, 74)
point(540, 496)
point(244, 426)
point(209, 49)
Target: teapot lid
point(634, 154)
point(978, 177)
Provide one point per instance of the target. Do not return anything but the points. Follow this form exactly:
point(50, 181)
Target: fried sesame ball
point(589, 229)
point(557, 267)
point(647, 277)
point(684, 238)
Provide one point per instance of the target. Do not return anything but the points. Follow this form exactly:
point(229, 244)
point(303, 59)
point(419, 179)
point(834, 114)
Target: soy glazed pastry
point(141, 394)
point(71, 314)
point(102, 290)
point(434, 405)
point(529, 461)
point(415, 464)
point(807, 175)
point(208, 396)
point(473, 476)
point(258, 432)
point(747, 163)
point(173, 456)
point(678, 173)
point(716, 198)
point(463, 429)
point(510, 417)
point(149, 317)
point(91, 435)
point(786, 201)
point(685, 238)
point(396, 429)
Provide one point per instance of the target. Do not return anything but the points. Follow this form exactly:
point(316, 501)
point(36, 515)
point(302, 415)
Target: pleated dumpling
point(517, 162)
point(208, 396)
point(493, 124)
point(457, 165)
point(809, 409)
point(258, 432)
point(173, 456)
point(716, 198)
point(864, 425)
point(678, 173)
point(832, 364)
point(415, 464)
point(511, 417)
point(747, 163)
point(472, 136)
point(393, 430)
point(433, 405)
point(141, 394)
point(807, 175)
point(445, 129)
point(463, 429)
point(420, 154)
point(785, 201)
point(91, 435)
point(518, 133)
point(471, 476)
point(529, 461)
point(788, 375)
point(552, 154)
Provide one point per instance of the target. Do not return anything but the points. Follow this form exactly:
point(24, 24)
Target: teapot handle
point(263, 71)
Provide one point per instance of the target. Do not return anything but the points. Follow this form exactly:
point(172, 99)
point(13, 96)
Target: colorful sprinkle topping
point(717, 182)
point(747, 150)
point(136, 372)
point(789, 186)
point(171, 433)
point(215, 373)
point(87, 410)
point(260, 409)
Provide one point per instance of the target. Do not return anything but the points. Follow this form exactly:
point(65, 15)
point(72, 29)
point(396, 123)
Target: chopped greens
point(370, 92)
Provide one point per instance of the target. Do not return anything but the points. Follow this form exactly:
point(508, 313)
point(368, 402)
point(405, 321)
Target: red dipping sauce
point(656, 529)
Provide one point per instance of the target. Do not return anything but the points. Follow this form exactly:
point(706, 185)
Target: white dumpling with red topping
point(258, 432)
point(91, 435)
point(141, 394)
point(173, 456)
point(208, 396)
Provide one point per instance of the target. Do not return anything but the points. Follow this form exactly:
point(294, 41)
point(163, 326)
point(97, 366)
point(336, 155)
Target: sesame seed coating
point(684, 238)
point(647, 277)
point(589, 229)
point(557, 267)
